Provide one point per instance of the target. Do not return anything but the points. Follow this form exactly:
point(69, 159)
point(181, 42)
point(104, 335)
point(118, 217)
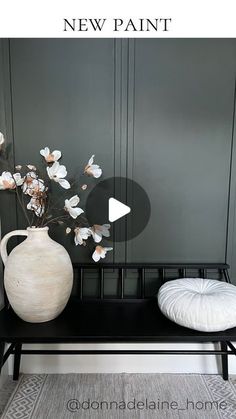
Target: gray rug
point(6, 392)
point(111, 396)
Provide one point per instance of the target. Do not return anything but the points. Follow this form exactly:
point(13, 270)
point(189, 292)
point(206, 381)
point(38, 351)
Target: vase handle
point(3, 243)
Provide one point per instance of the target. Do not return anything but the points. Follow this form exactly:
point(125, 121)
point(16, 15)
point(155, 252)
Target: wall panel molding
point(121, 128)
point(230, 251)
point(179, 144)
point(8, 211)
point(62, 93)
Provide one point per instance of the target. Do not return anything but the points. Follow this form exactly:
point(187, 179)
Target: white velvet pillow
point(207, 305)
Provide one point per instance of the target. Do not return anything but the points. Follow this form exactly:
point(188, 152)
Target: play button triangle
point(117, 209)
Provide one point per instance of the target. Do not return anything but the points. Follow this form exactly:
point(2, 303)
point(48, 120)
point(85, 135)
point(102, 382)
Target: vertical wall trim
point(130, 131)
point(131, 109)
point(116, 116)
point(124, 124)
point(120, 126)
point(230, 252)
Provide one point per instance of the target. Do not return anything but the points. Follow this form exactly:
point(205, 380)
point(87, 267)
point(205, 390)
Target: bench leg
point(17, 357)
point(2, 347)
point(224, 360)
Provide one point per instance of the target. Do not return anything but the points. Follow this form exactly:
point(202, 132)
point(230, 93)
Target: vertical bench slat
point(143, 276)
point(101, 283)
point(226, 275)
point(81, 278)
point(162, 274)
point(122, 283)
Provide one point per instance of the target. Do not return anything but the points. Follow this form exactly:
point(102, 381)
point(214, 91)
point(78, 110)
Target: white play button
point(117, 210)
point(122, 202)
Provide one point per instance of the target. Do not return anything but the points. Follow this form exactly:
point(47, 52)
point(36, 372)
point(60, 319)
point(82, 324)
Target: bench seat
point(105, 322)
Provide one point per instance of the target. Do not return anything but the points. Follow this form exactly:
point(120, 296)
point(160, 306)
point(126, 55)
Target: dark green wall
point(157, 110)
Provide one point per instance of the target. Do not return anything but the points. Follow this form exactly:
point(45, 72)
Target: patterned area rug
point(111, 396)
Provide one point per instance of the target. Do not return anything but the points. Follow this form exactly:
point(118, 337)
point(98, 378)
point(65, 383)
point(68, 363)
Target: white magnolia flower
point(50, 157)
point(9, 181)
point(30, 177)
point(57, 173)
point(36, 187)
point(31, 167)
point(18, 167)
point(81, 234)
point(2, 140)
point(37, 205)
point(98, 231)
point(68, 230)
point(100, 253)
point(93, 169)
point(32, 185)
point(18, 179)
point(70, 206)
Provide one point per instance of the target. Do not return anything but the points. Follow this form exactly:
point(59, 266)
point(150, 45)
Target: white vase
point(38, 275)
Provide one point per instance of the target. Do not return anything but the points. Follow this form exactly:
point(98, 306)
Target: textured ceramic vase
point(38, 275)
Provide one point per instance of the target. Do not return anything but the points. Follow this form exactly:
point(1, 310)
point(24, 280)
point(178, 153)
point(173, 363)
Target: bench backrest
point(112, 280)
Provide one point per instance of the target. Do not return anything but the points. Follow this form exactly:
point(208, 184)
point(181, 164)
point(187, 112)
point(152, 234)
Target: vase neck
point(37, 234)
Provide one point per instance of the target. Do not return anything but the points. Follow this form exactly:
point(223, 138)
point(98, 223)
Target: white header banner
point(121, 19)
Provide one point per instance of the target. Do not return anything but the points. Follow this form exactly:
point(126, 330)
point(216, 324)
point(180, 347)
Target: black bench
point(119, 318)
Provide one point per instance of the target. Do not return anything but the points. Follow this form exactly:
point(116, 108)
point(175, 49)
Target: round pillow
point(207, 305)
